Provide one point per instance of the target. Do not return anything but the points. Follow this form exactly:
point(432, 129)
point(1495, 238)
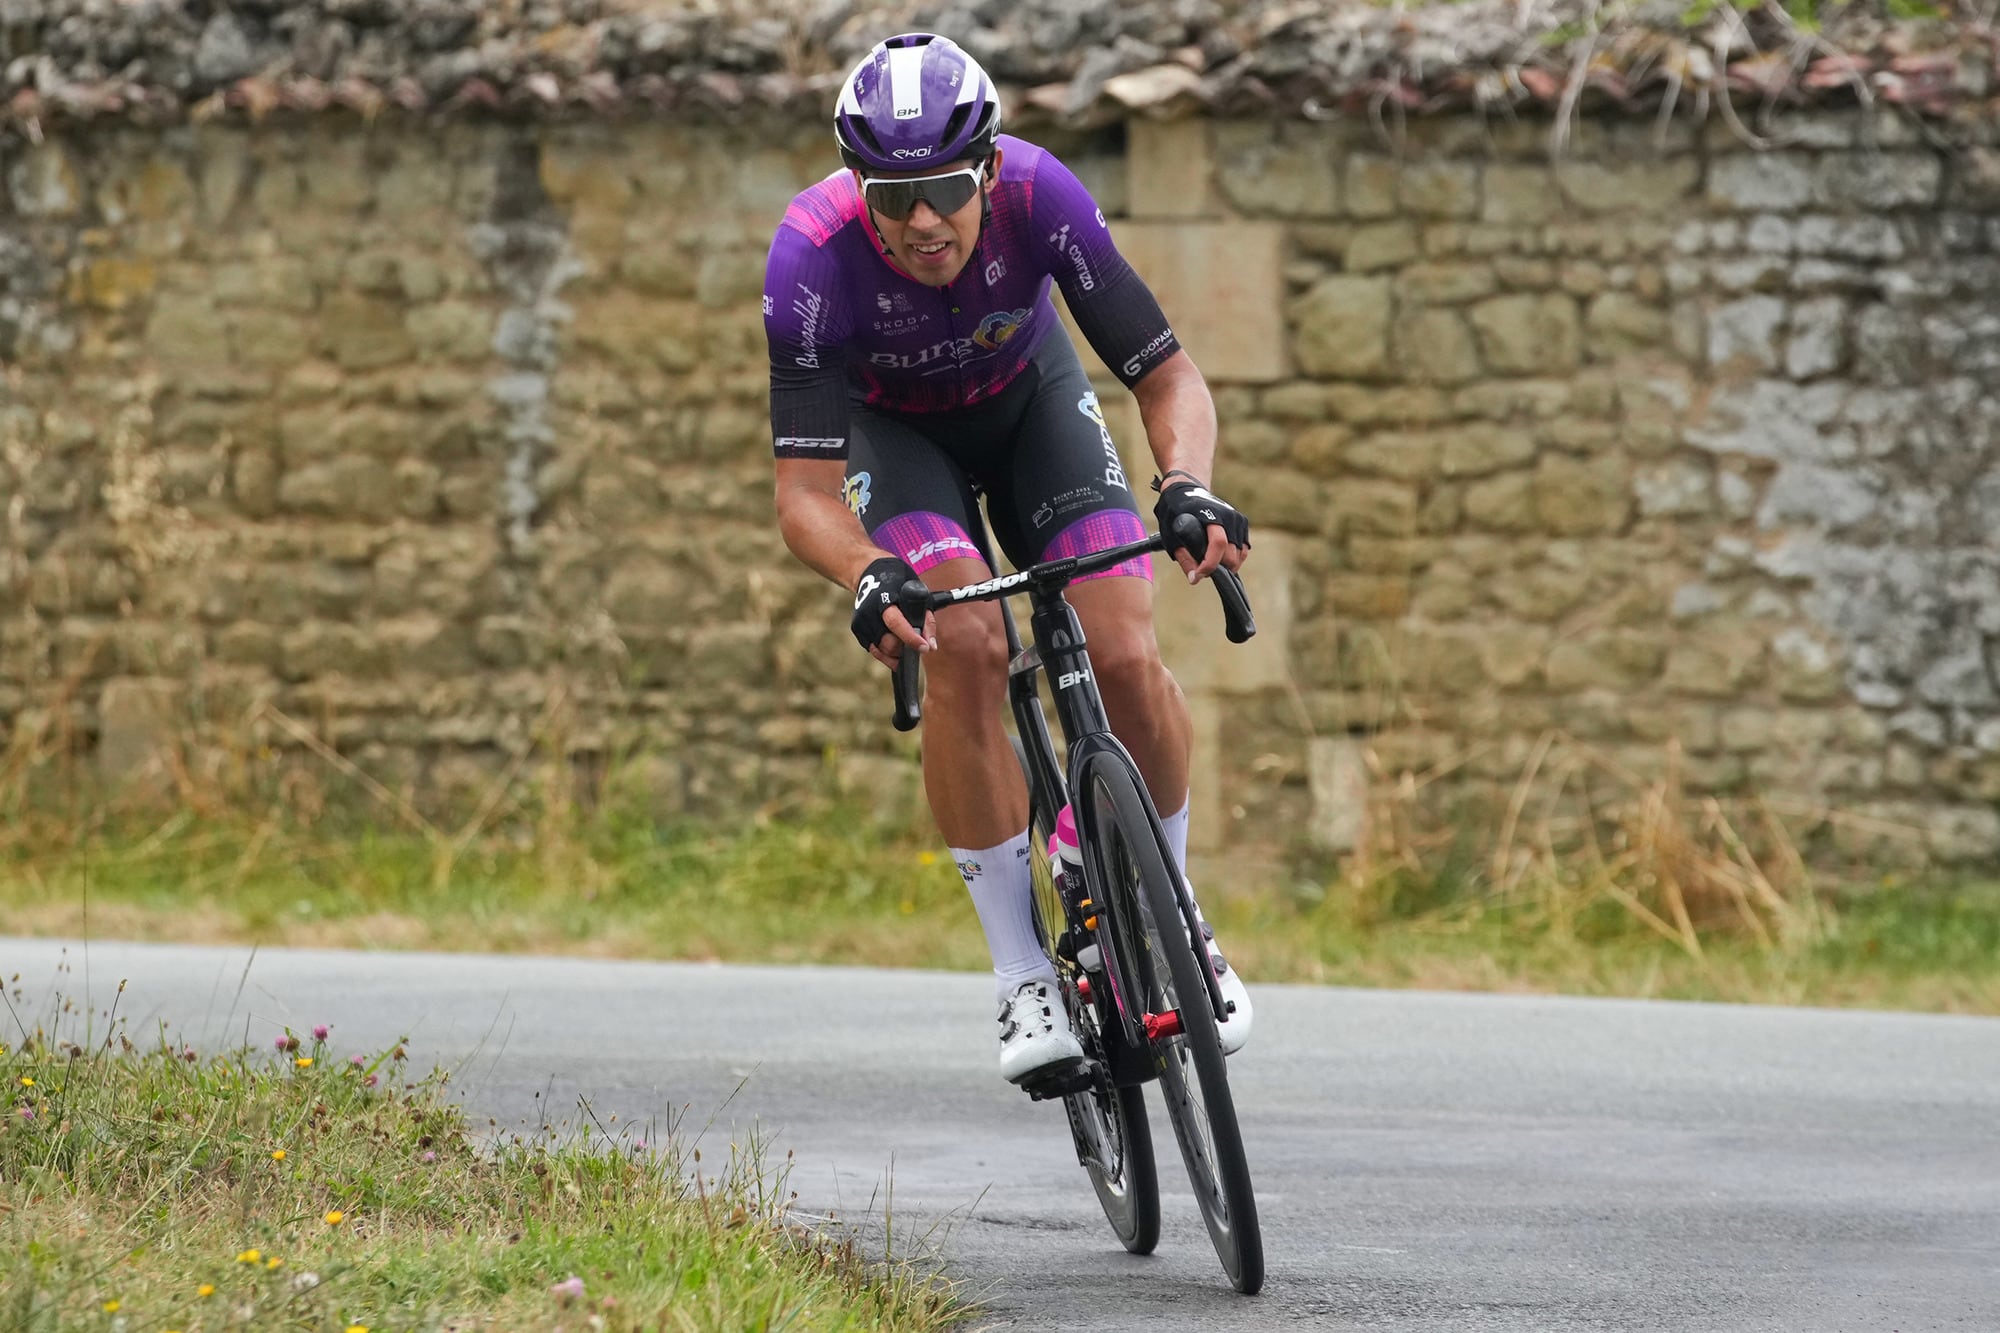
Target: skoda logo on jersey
point(998, 327)
point(855, 491)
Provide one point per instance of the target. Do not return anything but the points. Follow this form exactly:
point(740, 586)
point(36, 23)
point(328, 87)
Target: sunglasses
point(947, 193)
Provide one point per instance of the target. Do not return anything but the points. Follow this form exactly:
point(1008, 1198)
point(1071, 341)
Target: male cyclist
point(917, 364)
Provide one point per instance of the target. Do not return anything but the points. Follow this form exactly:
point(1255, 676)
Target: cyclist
point(918, 364)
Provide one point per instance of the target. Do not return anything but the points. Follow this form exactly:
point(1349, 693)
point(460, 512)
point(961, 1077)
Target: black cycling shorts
point(1039, 452)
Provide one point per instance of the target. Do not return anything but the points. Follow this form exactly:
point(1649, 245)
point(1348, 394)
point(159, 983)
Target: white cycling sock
point(1176, 825)
point(1002, 893)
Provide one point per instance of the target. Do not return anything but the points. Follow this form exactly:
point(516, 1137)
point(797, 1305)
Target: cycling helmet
point(914, 100)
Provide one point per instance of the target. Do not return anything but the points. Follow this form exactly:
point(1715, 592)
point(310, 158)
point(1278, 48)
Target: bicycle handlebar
point(916, 601)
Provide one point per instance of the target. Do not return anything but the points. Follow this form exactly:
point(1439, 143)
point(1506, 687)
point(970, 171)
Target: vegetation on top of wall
point(1073, 60)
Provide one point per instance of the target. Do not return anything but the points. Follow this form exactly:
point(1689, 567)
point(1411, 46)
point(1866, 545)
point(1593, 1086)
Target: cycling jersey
point(842, 318)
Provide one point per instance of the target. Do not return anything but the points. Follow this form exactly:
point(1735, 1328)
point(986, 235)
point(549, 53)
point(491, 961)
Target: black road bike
point(1129, 957)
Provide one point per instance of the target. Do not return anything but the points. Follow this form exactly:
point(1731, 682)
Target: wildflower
point(274, 1263)
point(569, 1289)
point(356, 1061)
point(304, 1062)
point(249, 1256)
point(205, 1290)
point(334, 1218)
point(111, 1307)
point(287, 1043)
point(27, 1113)
point(187, 1054)
point(429, 1156)
point(305, 1282)
point(926, 858)
point(277, 1154)
point(319, 1032)
point(27, 1082)
point(370, 1081)
point(357, 1328)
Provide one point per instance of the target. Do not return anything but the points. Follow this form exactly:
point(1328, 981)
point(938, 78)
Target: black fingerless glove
point(1185, 497)
point(875, 594)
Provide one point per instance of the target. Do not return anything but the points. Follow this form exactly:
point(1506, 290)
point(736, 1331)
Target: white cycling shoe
point(1234, 1030)
point(1035, 1035)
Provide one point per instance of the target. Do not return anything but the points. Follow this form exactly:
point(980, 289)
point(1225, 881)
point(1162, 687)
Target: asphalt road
point(1424, 1162)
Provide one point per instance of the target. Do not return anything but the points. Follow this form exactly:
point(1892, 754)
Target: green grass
point(834, 886)
point(309, 1189)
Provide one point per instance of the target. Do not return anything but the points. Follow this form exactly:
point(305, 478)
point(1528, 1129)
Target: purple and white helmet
point(914, 100)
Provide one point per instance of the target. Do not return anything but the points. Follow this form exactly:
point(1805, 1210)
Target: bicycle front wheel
point(1194, 1080)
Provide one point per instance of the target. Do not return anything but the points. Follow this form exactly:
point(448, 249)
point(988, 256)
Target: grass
point(1666, 909)
point(1583, 878)
point(303, 1188)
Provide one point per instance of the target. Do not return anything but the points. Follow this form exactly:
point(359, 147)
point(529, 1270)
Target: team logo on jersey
point(996, 270)
point(855, 491)
point(892, 303)
point(1045, 516)
point(998, 327)
point(770, 307)
point(970, 869)
point(1114, 468)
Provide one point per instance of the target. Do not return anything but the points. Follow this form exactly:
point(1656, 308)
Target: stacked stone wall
point(442, 445)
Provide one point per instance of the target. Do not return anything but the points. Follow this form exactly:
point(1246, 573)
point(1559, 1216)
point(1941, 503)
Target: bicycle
point(1129, 958)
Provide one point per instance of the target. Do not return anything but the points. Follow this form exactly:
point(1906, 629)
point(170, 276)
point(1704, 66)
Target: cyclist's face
point(932, 247)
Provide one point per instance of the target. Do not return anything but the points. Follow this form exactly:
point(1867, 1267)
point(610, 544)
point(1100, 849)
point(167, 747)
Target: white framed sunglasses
point(946, 192)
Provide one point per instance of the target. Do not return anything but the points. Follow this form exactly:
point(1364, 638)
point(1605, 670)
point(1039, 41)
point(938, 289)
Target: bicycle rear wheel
point(1108, 1123)
point(1194, 1080)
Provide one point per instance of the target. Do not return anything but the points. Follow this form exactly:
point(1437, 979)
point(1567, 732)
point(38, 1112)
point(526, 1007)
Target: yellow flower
point(277, 1154)
point(334, 1218)
point(111, 1307)
point(304, 1062)
point(926, 858)
point(274, 1262)
point(357, 1328)
point(249, 1256)
point(205, 1290)
point(27, 1082)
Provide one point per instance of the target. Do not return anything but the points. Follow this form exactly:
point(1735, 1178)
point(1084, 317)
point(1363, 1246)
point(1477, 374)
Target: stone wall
point(439, 445)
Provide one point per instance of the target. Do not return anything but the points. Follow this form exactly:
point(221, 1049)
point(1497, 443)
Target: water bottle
point(1066, 861)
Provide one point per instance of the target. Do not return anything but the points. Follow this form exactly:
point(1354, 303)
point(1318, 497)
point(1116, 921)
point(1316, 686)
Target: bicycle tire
point(1107, 1116)
point(1201, 1109)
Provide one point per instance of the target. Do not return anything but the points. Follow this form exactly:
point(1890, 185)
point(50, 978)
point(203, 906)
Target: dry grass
point(1582, 877)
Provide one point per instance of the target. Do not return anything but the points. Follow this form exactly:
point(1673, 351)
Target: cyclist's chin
point(934, 270)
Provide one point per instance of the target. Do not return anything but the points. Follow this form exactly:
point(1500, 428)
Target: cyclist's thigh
point(911, 498)
point(917, 503)
point(1064, 492)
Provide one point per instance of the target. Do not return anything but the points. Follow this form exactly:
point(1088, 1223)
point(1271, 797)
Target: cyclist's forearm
point(1179, 417)
point(823, 533)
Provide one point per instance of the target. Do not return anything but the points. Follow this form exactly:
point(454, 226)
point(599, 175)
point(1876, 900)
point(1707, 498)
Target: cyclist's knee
point(971, 656)
point(1125, 655)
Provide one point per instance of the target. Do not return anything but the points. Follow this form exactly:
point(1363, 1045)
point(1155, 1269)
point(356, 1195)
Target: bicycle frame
point(1060, 649)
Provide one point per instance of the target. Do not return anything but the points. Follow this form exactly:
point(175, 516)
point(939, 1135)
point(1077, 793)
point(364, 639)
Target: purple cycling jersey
point(842, 318)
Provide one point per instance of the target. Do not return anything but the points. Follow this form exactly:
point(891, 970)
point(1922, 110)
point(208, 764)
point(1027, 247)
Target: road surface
point(1460, 1163)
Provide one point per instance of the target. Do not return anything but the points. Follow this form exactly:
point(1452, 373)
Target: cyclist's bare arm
point(1179, 416)
point(823, 533)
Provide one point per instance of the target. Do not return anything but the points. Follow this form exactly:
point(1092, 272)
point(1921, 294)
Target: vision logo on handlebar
point(990, 586)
